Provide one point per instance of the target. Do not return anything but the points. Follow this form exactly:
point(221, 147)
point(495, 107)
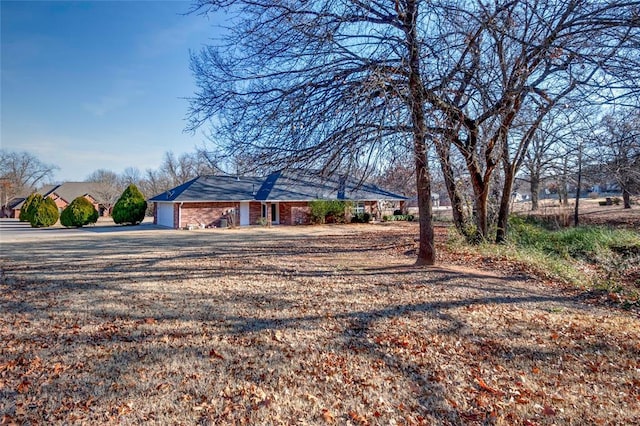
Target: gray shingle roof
point(67, 191)
point(213, 188)
point(278, 186)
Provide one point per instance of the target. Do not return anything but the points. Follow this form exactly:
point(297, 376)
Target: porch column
point(268, 208)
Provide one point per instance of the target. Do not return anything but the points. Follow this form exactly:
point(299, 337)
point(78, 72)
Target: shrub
point(130, 207)
point(79, 213)
point(397, 217)
point(397, 212)
point(320, 210)
point(45, 214)
point(361, 218)
point(27, 210)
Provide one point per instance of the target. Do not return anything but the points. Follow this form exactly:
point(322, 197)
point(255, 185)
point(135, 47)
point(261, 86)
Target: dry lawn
point(298, 325)
point(591, 212)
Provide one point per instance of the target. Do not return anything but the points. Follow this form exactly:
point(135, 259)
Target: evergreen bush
point(130, 207)
point(45, 214)
point(361, 218)
point(79, 213)
point(26, 212)
point(322, 210)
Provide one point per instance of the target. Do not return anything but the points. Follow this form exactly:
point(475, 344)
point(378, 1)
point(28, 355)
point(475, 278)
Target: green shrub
point(320, 210)
point(130, 207)
point(45, 214)
point(397, 217)
point(27, 210)
point(79, 212)
point(361, 218)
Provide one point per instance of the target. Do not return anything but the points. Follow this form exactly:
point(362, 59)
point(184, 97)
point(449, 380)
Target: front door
point(275, 213)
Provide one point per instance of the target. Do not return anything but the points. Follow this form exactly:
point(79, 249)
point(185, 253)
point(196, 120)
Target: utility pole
point(576, 220)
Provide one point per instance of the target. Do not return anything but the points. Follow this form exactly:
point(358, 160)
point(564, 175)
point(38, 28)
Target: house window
point(358, 207)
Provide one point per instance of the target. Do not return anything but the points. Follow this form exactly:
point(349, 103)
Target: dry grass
point(300, 325)
point(591, 212)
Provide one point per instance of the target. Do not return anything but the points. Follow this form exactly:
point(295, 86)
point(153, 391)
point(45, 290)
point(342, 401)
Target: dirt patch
point(298, 325)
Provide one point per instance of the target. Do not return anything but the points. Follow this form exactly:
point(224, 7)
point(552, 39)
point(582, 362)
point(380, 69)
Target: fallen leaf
point(327, 416)
point(23, 387)
point(357, 417)
point(214, 354)
point(487, 388)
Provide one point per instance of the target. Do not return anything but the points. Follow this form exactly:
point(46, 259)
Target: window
point(358, 207)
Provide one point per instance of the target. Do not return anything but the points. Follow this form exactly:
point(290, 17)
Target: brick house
point(282, 198)
point(62, 194)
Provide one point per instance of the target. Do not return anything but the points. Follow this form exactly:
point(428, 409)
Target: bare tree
point(330, 85)
point(107, 187)
point(620, 151)
point(131, 175)
point(338, 84)
point(176, 170)
point(509, 64)
point(20, 173)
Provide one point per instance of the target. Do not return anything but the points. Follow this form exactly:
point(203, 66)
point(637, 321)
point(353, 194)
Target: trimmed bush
point(79, 213)
point(361, 218)
point(397, 217)
point(130, 207)
point(26, 212)
point(45, 214)
point(322, 211)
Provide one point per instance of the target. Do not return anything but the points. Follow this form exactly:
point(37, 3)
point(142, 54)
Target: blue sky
point(98, 84)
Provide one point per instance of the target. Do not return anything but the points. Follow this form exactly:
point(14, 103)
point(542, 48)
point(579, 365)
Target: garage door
point(165, 214)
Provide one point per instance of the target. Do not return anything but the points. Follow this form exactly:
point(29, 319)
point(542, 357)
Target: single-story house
point(62, 194)
point(11, 209)
point(280, 198)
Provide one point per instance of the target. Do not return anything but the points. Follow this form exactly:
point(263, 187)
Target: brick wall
point(207, 214)
point(294, 213)
point(255, 213)
point(60, 203)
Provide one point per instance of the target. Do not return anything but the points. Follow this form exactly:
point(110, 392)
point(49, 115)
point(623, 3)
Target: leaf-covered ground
point(298, 325)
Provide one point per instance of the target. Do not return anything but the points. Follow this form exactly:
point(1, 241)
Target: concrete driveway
point(12, 230)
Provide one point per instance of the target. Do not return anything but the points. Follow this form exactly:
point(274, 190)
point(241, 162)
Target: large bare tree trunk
point(480, 205)
point(626, 198)
point(426, 250)
point(535, 191)
point(505, 201)
point(457, 205)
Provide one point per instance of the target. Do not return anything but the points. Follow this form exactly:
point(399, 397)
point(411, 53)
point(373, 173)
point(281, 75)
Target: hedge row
point(42, 212)
point(398, 217)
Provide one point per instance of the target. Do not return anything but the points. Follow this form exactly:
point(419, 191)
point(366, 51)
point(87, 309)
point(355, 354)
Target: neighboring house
point(63, 194)
point(9, 209)
point(280, 198)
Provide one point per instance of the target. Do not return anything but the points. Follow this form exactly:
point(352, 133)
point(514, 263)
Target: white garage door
point(165, 214)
